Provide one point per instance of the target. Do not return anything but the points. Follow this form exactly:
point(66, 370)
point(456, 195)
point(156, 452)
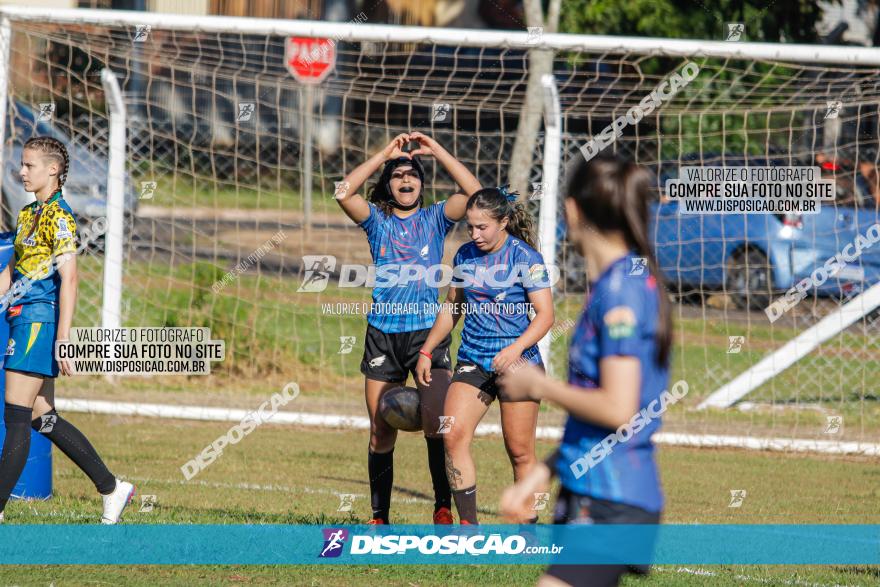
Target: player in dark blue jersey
point(406, 242)
point(618, 370)
point(39, 299)
point(498, 278)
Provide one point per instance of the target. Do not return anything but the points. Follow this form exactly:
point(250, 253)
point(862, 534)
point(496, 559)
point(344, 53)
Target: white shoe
point(115, 503)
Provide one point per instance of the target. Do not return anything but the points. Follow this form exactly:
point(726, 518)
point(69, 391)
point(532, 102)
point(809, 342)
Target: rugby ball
point(400, 407)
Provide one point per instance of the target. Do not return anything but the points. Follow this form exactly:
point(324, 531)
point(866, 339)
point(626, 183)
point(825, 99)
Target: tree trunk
point(540, 62)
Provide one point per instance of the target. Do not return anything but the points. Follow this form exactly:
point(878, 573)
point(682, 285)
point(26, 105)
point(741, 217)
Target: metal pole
point(550, 187)
point(5, 42)
point(307, 156)
point(111, 312)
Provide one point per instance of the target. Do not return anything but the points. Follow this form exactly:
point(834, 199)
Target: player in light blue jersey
point(406, 243)
point(499, 280)
point(618, 380)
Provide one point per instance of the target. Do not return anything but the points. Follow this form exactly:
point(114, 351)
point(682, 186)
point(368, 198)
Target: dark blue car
point(754, 257)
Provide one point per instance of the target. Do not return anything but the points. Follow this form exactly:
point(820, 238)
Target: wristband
point(425, 354)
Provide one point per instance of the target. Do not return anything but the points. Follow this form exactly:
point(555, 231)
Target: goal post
point(218, 240)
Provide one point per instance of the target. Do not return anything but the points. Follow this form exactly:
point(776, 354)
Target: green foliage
point(728, 107)
point(792, 21)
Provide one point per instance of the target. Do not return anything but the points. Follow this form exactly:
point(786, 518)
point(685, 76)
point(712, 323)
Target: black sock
point(437, 466)
point(77, 447)
point(16, 447)
point(381, 468)
point(466, 504)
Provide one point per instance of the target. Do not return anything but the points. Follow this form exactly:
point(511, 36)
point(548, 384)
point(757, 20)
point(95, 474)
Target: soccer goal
point(232, 156)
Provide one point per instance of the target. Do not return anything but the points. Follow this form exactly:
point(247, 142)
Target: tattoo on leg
point(453, 474)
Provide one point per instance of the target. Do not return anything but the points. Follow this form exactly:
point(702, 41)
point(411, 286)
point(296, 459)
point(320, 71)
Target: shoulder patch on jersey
point(63, 229)
point(538, 273)
point(621, 322)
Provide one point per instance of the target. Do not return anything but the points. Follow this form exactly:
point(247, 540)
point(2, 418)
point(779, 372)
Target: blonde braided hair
point(52, 147)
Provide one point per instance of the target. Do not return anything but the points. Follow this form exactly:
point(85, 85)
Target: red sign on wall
point(310, 60)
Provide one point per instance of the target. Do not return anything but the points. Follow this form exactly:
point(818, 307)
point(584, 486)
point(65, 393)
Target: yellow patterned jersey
point(43, 232)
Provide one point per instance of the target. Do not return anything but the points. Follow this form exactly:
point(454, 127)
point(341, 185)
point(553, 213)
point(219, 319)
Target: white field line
point(257, 487)
point(543, 432)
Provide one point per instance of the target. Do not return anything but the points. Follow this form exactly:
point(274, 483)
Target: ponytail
point(613, 194)
point(500, 203)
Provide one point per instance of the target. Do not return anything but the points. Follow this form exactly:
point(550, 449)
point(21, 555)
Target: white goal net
point(217, 233)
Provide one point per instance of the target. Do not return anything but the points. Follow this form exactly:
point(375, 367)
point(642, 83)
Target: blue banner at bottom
point(405, 544)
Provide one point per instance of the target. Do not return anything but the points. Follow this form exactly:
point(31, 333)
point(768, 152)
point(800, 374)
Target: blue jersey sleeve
point(438, 217)
point(371, 224)
point(622, 321)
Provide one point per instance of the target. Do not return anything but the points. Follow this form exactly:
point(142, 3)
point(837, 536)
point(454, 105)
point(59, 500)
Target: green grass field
point(294, 475)
point(274, 334)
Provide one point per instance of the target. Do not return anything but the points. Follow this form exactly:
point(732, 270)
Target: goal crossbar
point(799, 53)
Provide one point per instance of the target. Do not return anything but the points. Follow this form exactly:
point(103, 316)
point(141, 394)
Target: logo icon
point(378, 361)
point(63, 230)
point(639, 264)
point(148, 502)
point(142, 32)
point(500, 297)
point(245, 111)
point(537, 191)
point(734, 344)
point(47, 423)
point(833, 424)
point(424, 252)
point(334, 539)
point(833, 108)
point(340, 189)
point(148, 188)
point(466, 369)
point(534, 35)
point(439, 112)
point(446, 423)
point(10, 347)
point(735, 31)
point(737, 496)
point(47, 109)
point(318, 268)
point(541, 501)
point(346, 501)
point(346, 344)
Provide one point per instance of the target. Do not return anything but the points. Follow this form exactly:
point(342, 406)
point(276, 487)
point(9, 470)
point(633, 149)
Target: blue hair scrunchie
point(510, 196)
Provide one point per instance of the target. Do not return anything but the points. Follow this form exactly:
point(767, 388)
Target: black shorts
point(572, 508)
point(485, 381)
point(392, 357)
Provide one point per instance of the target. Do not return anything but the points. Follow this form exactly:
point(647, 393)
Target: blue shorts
point(31, 348)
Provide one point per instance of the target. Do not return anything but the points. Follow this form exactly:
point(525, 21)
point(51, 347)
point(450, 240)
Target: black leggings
point(572, 508)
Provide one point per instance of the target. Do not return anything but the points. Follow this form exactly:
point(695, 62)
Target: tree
point(792, 21)
point(540, 63)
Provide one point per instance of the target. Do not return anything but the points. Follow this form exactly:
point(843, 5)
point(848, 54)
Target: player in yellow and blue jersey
point(618, 371)
point(406, 243)
point(40, 297)
point(501, 286)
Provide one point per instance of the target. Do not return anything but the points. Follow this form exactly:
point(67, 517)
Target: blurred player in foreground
point(618, 365)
